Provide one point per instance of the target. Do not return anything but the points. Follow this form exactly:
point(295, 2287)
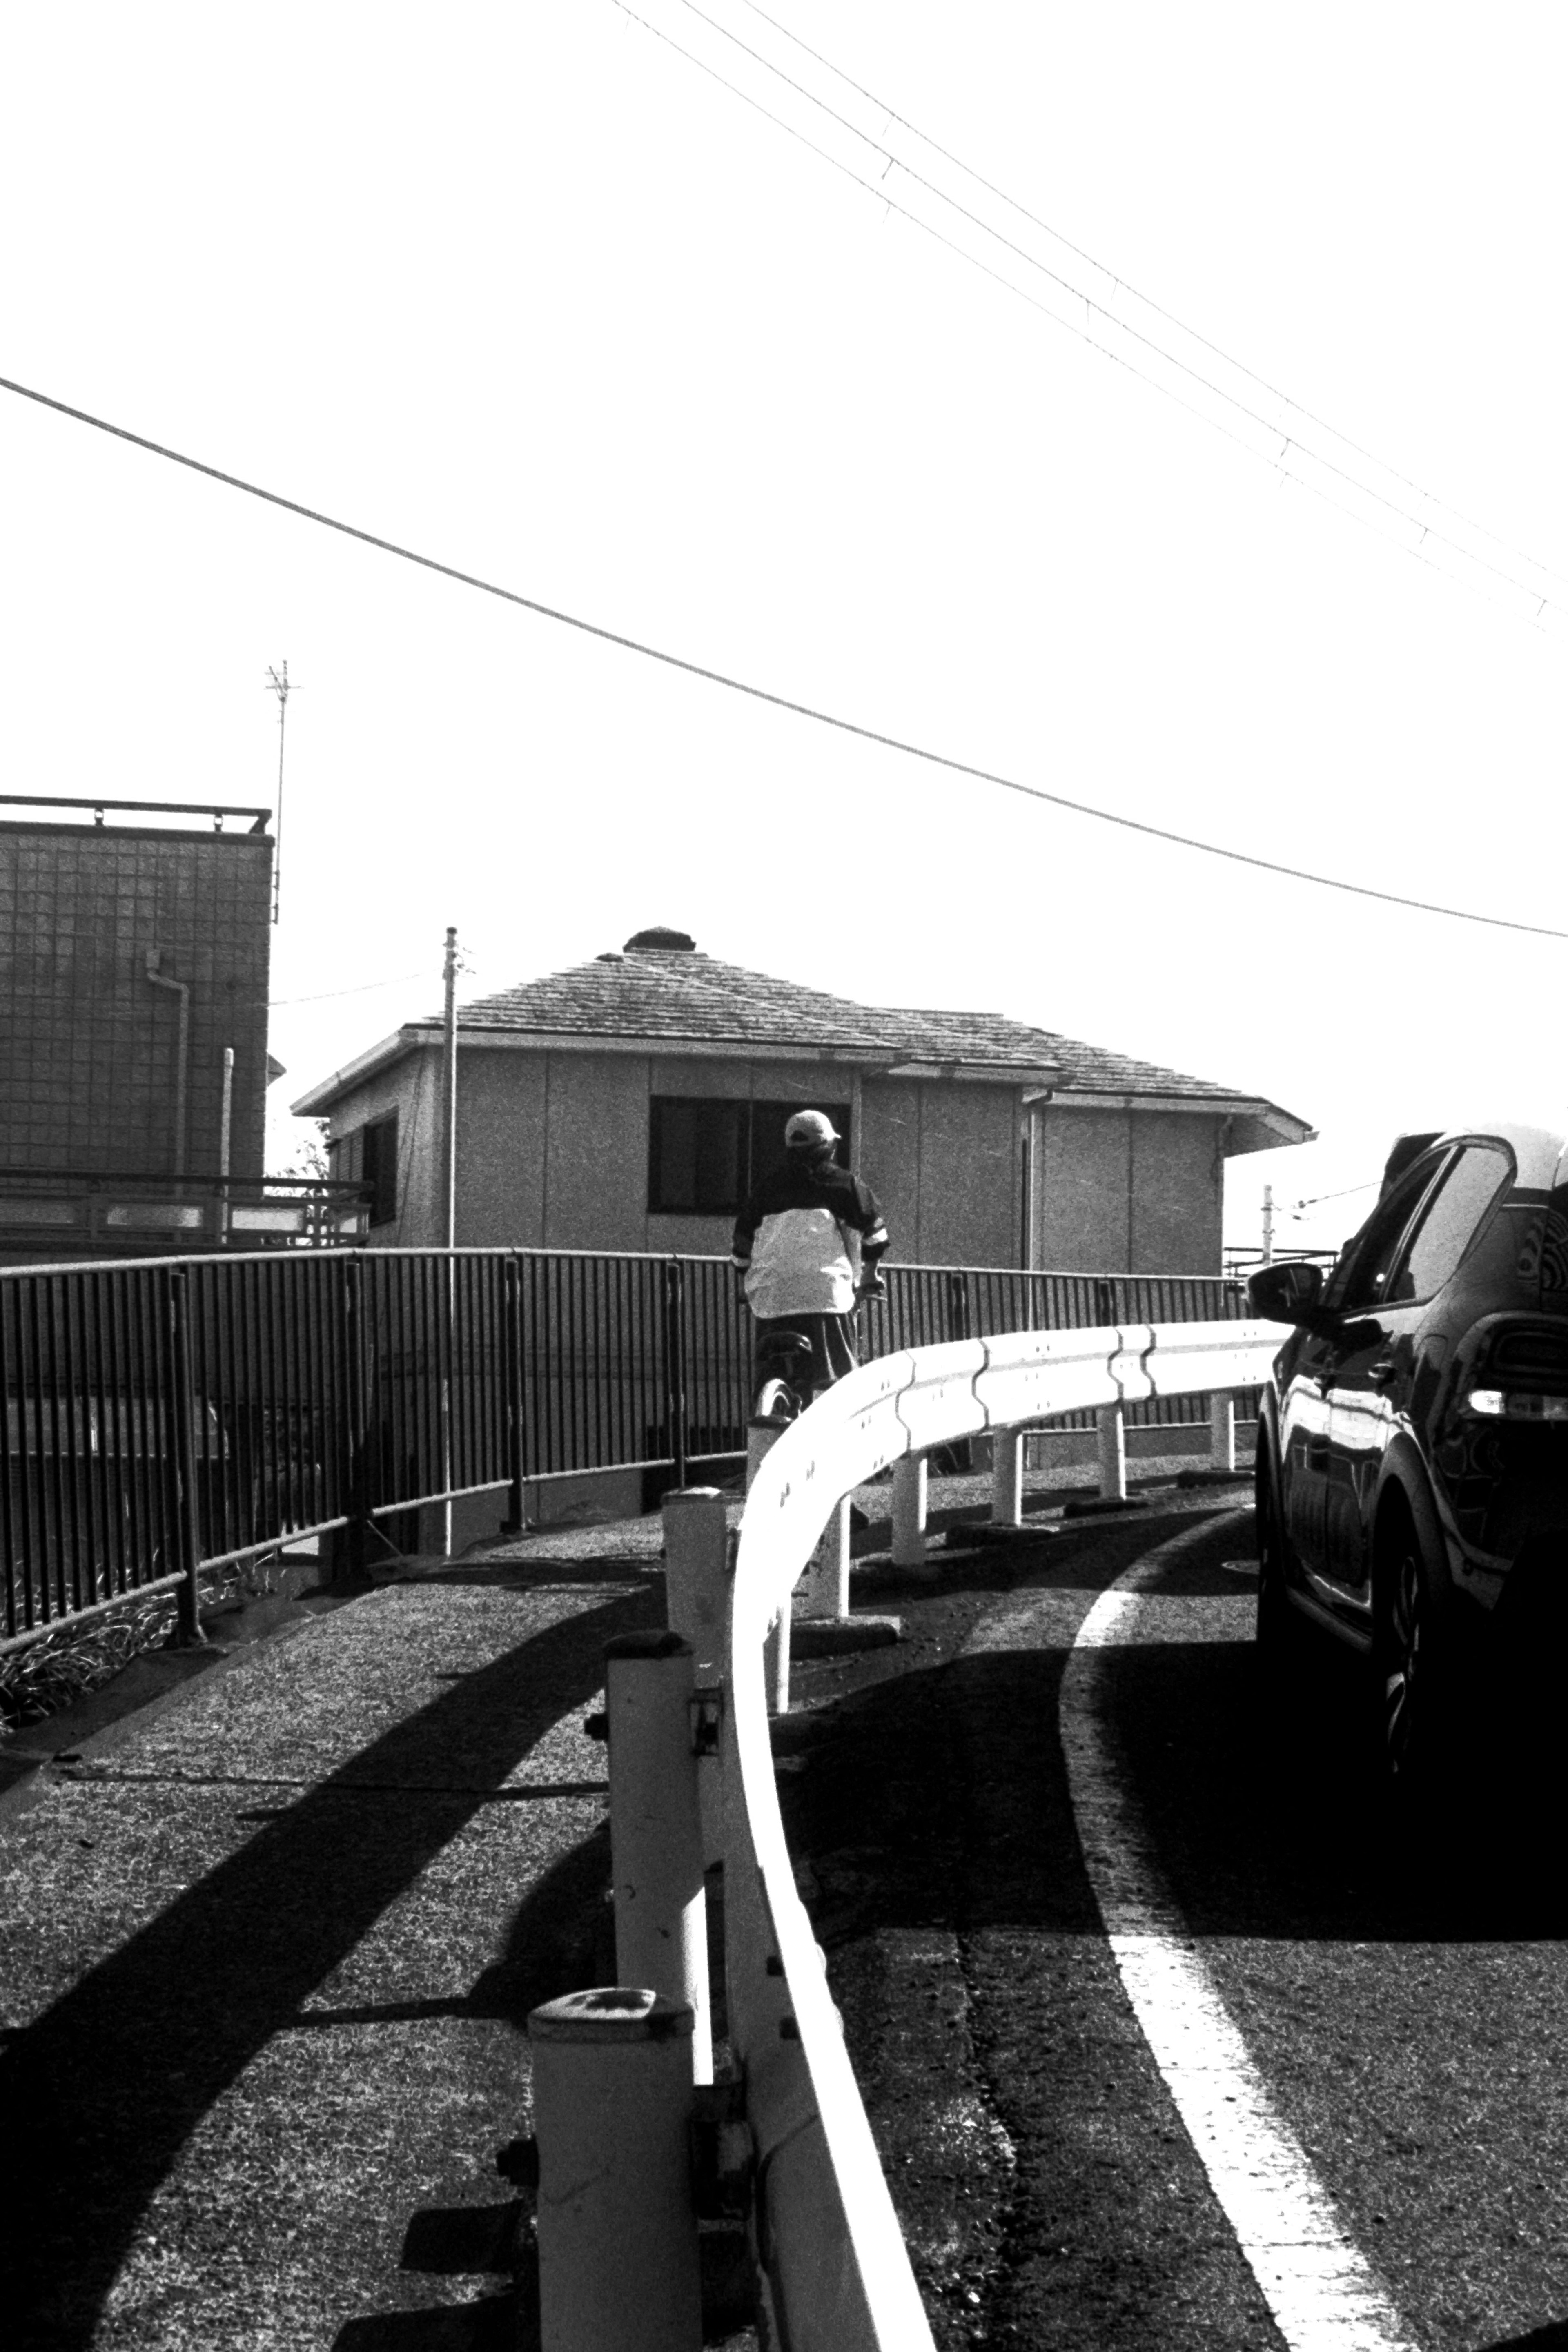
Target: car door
point(1341, 1335)
point(1378, 1359)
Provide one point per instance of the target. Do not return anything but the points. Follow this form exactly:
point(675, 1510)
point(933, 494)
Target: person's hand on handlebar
point(872, 1285)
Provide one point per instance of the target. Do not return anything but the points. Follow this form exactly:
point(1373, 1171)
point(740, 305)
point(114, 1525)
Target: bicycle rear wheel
point(775, 1401)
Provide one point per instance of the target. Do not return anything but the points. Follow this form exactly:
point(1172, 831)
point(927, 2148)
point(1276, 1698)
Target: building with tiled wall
point(92, 1076)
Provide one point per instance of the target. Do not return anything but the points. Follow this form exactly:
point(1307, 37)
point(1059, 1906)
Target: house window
point(705, 1154)
point(379, 1171)
point(368, 1156)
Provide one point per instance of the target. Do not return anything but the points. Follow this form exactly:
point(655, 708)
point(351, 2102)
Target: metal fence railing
point(167, 1417)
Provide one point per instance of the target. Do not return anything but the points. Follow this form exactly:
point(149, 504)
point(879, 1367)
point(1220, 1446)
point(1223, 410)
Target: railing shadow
point(110, 2083)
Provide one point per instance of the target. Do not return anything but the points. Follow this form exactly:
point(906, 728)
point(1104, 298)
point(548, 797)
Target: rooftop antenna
point(277, 684)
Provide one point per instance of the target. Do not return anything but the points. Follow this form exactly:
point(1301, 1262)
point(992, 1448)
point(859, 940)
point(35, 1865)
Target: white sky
point(522, 288)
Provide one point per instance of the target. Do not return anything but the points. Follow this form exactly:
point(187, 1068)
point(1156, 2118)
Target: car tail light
point(1522, 1375)
point(1516, 1404)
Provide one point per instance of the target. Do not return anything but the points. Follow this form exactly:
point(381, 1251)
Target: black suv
point(1413, 1446)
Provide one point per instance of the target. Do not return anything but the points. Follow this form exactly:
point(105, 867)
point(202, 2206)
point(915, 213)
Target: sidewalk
point(266, 1964)
point(267, 1954)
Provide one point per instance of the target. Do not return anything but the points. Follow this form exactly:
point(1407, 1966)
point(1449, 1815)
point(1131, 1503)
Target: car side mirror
point(1289, 1293)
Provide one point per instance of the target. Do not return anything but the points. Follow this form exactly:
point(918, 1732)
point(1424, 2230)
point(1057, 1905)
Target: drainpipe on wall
point(225, 1123)
point(224, 1137)
point(183, 1051)
point(1034, 1101)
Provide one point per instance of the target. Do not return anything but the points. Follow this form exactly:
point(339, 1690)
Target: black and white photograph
point(784, 1177)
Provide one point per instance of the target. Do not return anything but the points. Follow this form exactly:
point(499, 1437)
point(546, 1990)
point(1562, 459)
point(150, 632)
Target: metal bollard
point(827, 1592)
point(1112, 1455)
point(1008, 1478)
point(775, 1663)
point(697, 1568)
point(696, 1575)
point(910, 1511)
point(1222, 1430)
point(761, 1436)
point(656, 1832)
point(618, 2262)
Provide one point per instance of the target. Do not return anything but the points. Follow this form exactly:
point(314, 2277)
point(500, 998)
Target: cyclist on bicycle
point(807, 1246)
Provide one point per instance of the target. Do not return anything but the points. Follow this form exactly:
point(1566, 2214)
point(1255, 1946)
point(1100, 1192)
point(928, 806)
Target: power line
point(1286, 473)
point(1123, 286)
point(851, 727)
point(363, 988)
point(1315, 1200)
point(1241, 407)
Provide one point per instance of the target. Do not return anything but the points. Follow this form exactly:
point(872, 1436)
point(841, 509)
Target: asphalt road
point(1400, 1990)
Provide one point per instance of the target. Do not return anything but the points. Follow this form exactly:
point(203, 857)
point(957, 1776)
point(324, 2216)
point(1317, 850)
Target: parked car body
point(1413, 1446)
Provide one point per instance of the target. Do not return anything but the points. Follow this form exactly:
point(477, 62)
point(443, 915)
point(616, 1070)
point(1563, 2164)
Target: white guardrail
point(790, 2146)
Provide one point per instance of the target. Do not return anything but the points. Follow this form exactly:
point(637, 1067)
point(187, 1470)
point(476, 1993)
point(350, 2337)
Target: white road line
point(1321, 2292)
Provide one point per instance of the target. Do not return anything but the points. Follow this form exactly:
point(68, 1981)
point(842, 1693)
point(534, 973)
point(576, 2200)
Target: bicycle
point(785, 1383)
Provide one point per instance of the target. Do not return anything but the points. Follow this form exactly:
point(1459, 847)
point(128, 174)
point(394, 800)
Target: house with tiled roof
point(627, 1103)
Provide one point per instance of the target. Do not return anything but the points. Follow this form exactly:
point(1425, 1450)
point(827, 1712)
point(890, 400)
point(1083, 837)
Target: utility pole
point(449, 1094)
point(1268, 1225)
point(277, 684)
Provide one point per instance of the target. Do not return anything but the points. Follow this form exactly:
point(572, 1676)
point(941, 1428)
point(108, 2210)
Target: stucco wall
point(501, 1101)
point(553, 1154)
point(1120, 1192)
point(411, 1088)
point(1178, 1183)
point(595, 1175)
point(945, 1162)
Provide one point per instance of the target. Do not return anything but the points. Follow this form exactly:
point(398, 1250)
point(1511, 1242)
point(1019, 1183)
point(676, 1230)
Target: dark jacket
point(802, 1236)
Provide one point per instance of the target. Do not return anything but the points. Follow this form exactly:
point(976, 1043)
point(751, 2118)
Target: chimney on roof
point(660, 938)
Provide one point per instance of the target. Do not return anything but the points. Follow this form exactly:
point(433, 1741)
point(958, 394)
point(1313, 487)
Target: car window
point(1367, 1260)
point(1449, 1221)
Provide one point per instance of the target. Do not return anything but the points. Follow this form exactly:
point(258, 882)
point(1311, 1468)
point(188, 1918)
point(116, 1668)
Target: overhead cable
point(1538, 601)
point(363, 988)
point(1123, 286)
point(766, 695)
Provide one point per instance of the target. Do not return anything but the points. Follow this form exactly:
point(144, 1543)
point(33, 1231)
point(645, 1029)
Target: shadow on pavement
point(107, 2086)
point(494, 2324)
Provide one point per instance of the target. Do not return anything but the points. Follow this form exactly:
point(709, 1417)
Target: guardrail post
point(179, 1438)
point(1008, 1478)
point(656, 1837)
point(1112, 1453)
point(761, 1436)
point(910, 1511)
point(618, 2263)
point(775, 1663)
point(1222, 1430)
point(827, 1592)
point(697, 1607)
point(696, 1573)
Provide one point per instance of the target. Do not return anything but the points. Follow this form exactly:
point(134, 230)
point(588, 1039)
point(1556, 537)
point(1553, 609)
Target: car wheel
point(1411, 1668)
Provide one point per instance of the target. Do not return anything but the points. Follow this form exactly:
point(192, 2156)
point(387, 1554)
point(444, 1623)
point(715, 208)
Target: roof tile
point(681, 994)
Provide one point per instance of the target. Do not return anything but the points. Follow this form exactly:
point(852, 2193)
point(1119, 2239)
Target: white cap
point(810, 1127)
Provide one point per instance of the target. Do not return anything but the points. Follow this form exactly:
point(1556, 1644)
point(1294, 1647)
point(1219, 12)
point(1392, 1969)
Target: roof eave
point(1250, 1124)
point(319, 1098)
point(872, 1061)
point(1264, 1126)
